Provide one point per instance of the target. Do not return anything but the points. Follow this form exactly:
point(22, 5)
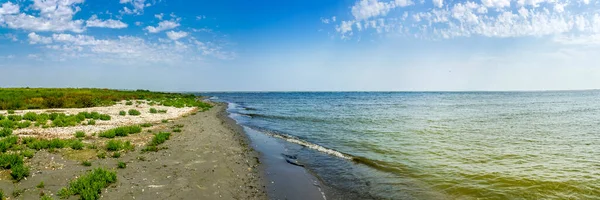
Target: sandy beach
point(209, 159)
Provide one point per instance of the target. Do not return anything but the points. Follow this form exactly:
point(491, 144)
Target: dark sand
point(209, 159)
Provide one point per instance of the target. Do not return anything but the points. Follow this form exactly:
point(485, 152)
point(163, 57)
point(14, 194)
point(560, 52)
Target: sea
point(435, 145)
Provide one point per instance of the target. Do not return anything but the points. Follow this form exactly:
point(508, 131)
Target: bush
point(121, 165)
point(176, 130)
point(134, 112)
point(79, 134)
point(153, 110)
point(91, 122)
point(146, 125)
point(31, 116)
point(15, 118)
point(18, 172)
point(24, 124)
point(114, 145)
point(116, 155)
point(165, 121)
point(46, 197)
point(77, 145)
point(11, 112)
point(41, 185)
point(6, 123)
point(28, 153)
point(8, 143)
point(122, 113)
point(129, 103)
point(86, 163)
point(162, 111)
point(8, 161)
point(104, 117)
point(101, 155)
point(5, 132)
point(90, 185)
point(121, 131)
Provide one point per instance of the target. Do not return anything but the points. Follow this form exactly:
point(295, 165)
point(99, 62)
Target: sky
point(301, 45)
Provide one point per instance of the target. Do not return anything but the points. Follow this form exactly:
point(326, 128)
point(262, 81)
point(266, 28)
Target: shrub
point(101, 155)
point(41, 185)
point(8, 161)
point(46, 197)
point(79, 134)
point(86, 163)
point(28, 153)
point(146, 125)
point(5, 132)
point(18, 172)
point(176, 130)
point(1, 194)
point(134, 112)
point(90, 185)
point(91, 122)
point(104, 117)
point(24, 124)
point(160, 138)
point(129, 103)
point(150, 148)
point(31, 116)
point(122, 113)
point(128, 146)
point(6, 123)
point(77, 145)
point(121, 165)
point(165, 121)
point(116, 155)
point(1, 117)
point(8, 143)
point(114, 145)
point(162, 111)
point(15, 118)
point(121, 131)
point(153, 110)
point(11, 112)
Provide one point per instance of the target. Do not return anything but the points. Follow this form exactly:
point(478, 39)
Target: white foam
point(311, 146)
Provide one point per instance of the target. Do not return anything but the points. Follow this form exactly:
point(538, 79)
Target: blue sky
point(306, 45)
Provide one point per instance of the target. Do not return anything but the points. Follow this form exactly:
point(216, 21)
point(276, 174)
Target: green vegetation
point(77, 145)
point(121, 131)
point(114, 145)
point(46, 197)
point(79, 134)
point(8, 143)
point(158, 138)
point(122, 113)
point(153, 110)
point(15, 163)
point(162, 111)
point(129, 103)
point(86, 163)
point(146, 125)
point(105, 117)
point(11, 112)
point(121, 165)
point(90, 185)
point(116, 155)
point(1, 194)
point(41, 98)
point(56, 143)
point(5, 132)
point(91, 122)
point(41, 185)
point(165, 121)
point(134, 112)
point(28, 153)
point(101, 155)
point(176, 130)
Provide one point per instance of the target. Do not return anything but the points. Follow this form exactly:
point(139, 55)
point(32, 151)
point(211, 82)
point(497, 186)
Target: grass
point(101, 155)
point(41, 98)
point(121, 131)
point(121, 165)
point(134, 112)
point(77, 145)
point(116, 155)
point(11, 111)
point(105, 117)
point(176, 130)
point(4, 132)
point(45, 197)
point(122, 113)
point(129, 103)
point(153, 110)
point(38, 144)
point(86, 163)
point(41, 185)
point(146, 125)
point(28, 153)
point(79, 134)
point(114, 145)
point(8, 143)
point(19, 172)
point(90, 185)
point(158, 139)
point(162, 111)
point(91, 122)
point(165, 121)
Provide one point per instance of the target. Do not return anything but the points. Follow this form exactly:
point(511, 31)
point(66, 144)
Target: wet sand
point(209, 159)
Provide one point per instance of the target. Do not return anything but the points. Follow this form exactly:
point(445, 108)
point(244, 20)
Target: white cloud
point(37, 39)
point(176, 35)
point(162, 26)
point(9, 8)
point(138, 6)
point(200, 17)
point(365, 9)
point(54, 15)
point(159, 16)
point(497, 3)
point(110, 23)
point(438, 3)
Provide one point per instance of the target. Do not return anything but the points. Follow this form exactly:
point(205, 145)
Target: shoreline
point(208, 159)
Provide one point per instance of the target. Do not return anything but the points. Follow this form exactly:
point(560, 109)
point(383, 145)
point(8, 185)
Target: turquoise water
point(456, 145)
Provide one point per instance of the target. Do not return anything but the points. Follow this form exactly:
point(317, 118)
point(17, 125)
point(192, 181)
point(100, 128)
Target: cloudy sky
point(307, 45)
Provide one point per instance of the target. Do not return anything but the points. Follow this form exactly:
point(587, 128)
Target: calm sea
point(437, 145)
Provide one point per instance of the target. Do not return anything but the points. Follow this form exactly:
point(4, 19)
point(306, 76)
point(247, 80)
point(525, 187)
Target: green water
point(521, 145)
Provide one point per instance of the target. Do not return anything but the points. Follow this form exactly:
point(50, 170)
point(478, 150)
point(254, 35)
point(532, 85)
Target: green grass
point(101, 155)
point(56, 143)
point(8, 143)
point(4, 132)
point(134, 112)
point(162, 111)
point(77, 145)
point(116, 155)
point(28, 153)
point(31, 116)
point(91, 122)
point(41, 185)
point(129, 103)
point(15, 163)
point(105, 117)
point(42, 98)
point(165, 121)
point(121, 131)
point(24, 124)
point(86, 163)
point(153, 110)
point(90, 185)
point(46, 197)
point(146, 125)
point(11, 112)
point(79, 134)
point(176, 130)
point(122, 113)
point(158, 139)
point(121, 165)
point(114, 145)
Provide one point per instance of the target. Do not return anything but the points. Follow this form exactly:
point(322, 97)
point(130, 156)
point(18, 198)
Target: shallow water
point(456, 145)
